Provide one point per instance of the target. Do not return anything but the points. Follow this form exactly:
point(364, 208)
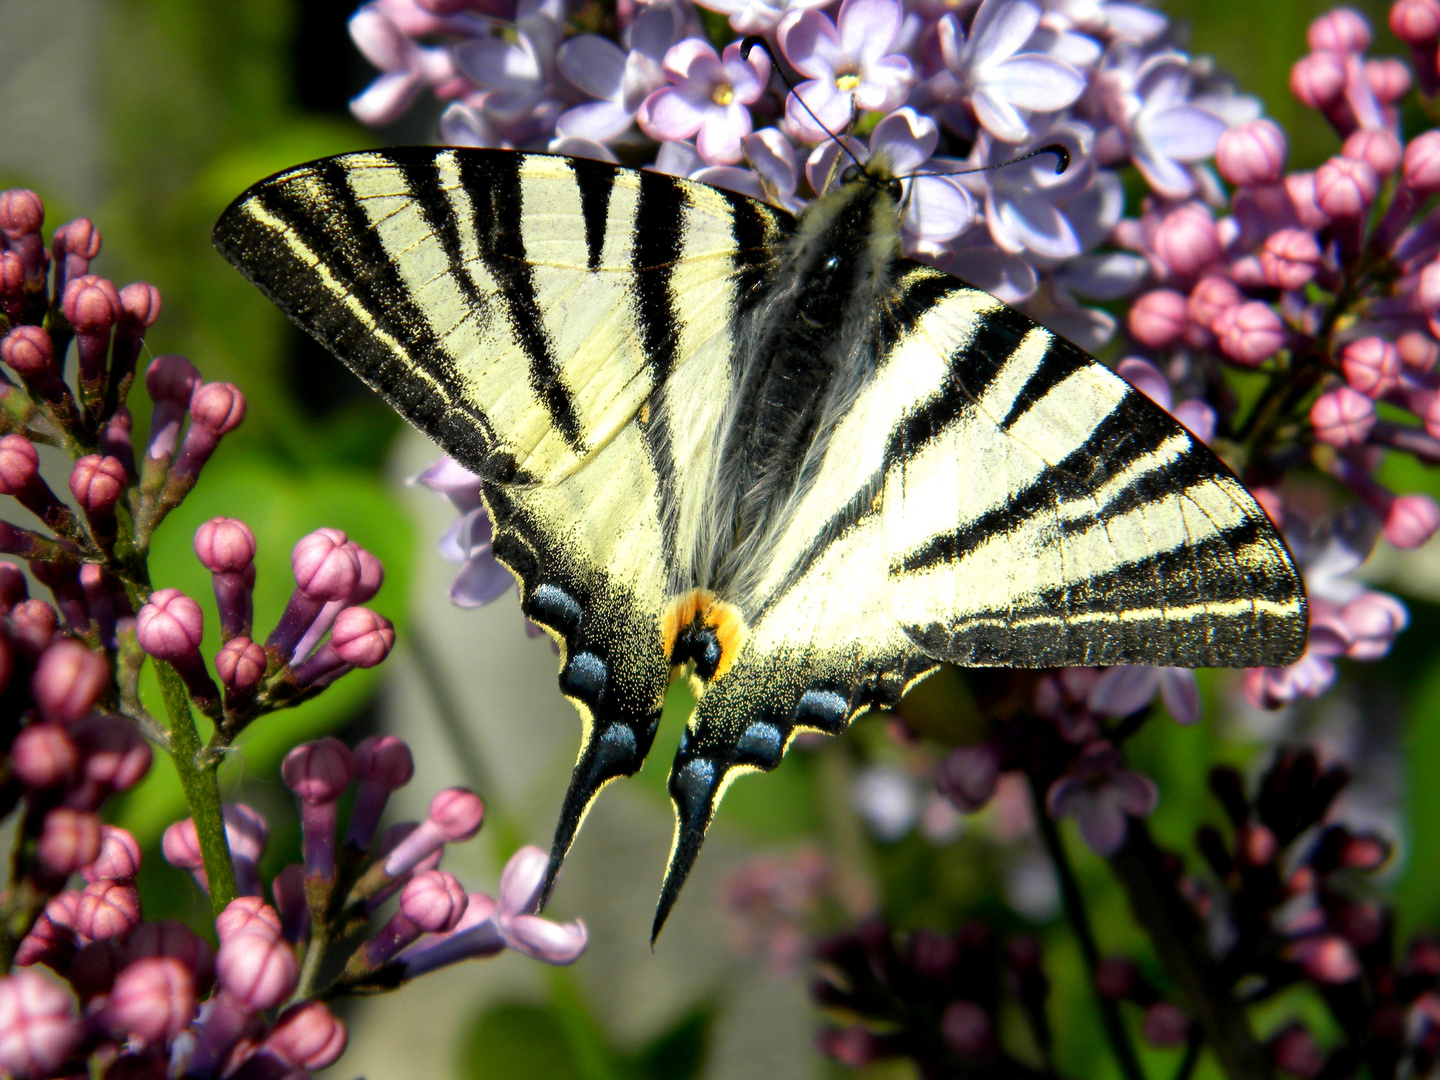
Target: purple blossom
point(619, 79)
point(518, 78)
point(1101, 794)
point(1026, 204)
point(481, 579)
point(408, 68)
point(1001, 83)
point(849, 66)
point(707, 98)
point(759, 16)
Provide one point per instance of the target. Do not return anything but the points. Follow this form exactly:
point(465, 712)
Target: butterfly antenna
point(750, 42)
point(1062, 162)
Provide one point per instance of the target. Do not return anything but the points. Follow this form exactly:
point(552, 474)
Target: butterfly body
point(770, 453)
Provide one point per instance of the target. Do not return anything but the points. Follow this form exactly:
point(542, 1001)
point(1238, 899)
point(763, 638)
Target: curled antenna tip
point(749, 42)
point(1062, 156)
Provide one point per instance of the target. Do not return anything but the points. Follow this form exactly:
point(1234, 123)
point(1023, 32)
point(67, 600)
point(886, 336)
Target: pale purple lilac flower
point(408, 67)
point(1102, 795)
point(467, 541)
point(618, 79)
point(707, 98)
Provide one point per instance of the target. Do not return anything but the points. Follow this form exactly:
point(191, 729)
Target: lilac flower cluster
point(153, 999)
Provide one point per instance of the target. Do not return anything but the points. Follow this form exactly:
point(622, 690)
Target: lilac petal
point(656, 28)
point(1134, 792)
point(594, 65)
point(677, 159)
point(1090, 328)
point(450, 548)
point(826, 101)
point(811, 43)
point(747, 78)
point(1163, 81)
point(1150, 381)
point(1035, 81)
point(380, 40)
point(1103, 826)
point(1000, 28)
point(719, 138)
point(1181, 693)
point(475, 532)
point(939, 209)
point(597, 121)
point(447, 475)
point(1001, 273)
point(1133, 21)
point(1184, 133)
point(385, 100)
point(907, 138)
point(1103, 277)
point(869, 27)
point(480, 581)
point(577, 146)
point(669, 114)
point(773, 156)
point(731, 178)
point(1168, 177)
point(886, 81)
point(1077, 50)
point(952, 44)
point(1198, 418)
point(691, 59)
point(1121, 691)
point(498, 65)
point(998, 116)
point(462, 125)
point(1067, 795)
point(1030, 221)
point(541, 939)
point(521, 880)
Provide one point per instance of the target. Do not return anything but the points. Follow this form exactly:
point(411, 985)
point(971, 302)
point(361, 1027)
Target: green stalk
point(202, 788)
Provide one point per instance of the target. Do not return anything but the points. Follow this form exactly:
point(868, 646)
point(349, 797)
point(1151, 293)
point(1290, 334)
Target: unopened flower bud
point(44, 756)
point(1318, 80)
point(1411, 521)
point(318, 773)
point(38, 1025)
point(1389, 80)
point(240, 665)
point(455, 815)
point(1186, 240)
point(434, 901)
point(1416, 22)
point(1158, 318)
point(383, 764)
point(1253, 334)
point(170, 628)
point(107, 909)
point(1372, 366)
point(1290, 258)
point(1418, 351)
point(170, 380)
point(19, 465)
point(29, 352)
point(306, 1036)
point(1252, 153)
point(91, 304)
point(257, 969)
point(247, 915)
point(139, 308)
point(1346, 188)
point(153, 1000)
point(247, 834)
point(21, 212)
point(68, 679)
point(69, 841)
point(166, 937)
point(361, 637)
point(1328, 959)
point(119, 858)
point(1342, 418)
point(1421, 164)
point(1212, 297)
point(288, 888)
point(216, 409)
point(1296, 1052)
point(967, 1029)
point(97, 483)
point(1165, 1024)
point(1340, 30)
point(325, 566)
point(33, 624)
point(226, 547)
point(180, 845)
point(115, 755)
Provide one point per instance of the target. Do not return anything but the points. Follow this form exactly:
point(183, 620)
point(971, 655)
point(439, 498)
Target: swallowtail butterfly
point(768, 452)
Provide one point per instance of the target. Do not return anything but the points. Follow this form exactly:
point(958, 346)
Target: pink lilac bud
point(361, 637)
point(372, 576)
point(1295, 1051)
point(115, 440)
point(247, 915)
point(1211, 299)
point(170, 380)
point(1421, 163)
point(1345, 188)
point(1373, 620)
point(967, 1028)
point(1411, 521)
point(69, 841)
point(226, 547)
point(115, 755)
point(431, 903)
point(1290, 258)
point(119, 858)
point(1252, 154)
point(38, 1025)
point(1418, 351)
point(1328, 959)
point(455, 815)
point(139, 308)
point(20, 478)
point(180, 844)
point(1165, 1024)
point(383, 764)
point(1252, 334)
point(1342, 417)
point(969, 775)
point(1389, 80)
point(51, 941)
point(241, 666)
point(1340, 30)
point(306, 1036)
point(170, 628)
point(153, 1000)
point(1378, 149)
point(257, 969)
point(29, 352)
point(1318, 81)
point(1372, 366)
point(1158, 318)
point(107, 909)
point(44, 756)
point(91, 305)
point(326, 568)
point(97, 483)
point(246, 834)
point(166, 937)
point(216, 409)
point(318, 773)
point(1416, 22)
point(13, 588)
point(68, 680)
point(21, 215)
point(105, 599)
point(72, 247)
point(1186, 240)
point(63, 581)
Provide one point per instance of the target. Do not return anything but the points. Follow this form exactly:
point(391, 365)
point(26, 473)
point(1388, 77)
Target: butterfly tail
point(696, 786)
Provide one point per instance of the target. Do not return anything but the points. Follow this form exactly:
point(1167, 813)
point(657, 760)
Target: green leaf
point(517, 1042)
point(280, 506)
point(679, 1053)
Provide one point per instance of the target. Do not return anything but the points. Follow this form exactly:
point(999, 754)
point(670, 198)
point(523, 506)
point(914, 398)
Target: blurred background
point(149, 117)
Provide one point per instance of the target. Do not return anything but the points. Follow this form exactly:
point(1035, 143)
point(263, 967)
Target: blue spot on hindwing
point(585, 677)
point(553, 606)
point(693, 786)
point(761, 744)
point(822, 709)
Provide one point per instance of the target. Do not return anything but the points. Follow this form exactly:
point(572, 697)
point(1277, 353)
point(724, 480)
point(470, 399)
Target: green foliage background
point(195, 101)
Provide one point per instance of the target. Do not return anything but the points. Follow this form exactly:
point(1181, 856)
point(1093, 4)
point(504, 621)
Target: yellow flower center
point(847, 83)
point(723, 94)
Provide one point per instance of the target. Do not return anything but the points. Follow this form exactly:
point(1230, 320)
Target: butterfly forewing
point(695, 416)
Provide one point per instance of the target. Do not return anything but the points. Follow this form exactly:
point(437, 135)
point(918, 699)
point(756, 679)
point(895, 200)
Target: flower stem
point(1179, 940)
point(1079, 920)
point(200, 782)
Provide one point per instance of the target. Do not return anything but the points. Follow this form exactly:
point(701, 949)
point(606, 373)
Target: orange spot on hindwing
point(701, 628)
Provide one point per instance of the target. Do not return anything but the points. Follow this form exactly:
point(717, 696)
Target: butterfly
point(765, 452)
